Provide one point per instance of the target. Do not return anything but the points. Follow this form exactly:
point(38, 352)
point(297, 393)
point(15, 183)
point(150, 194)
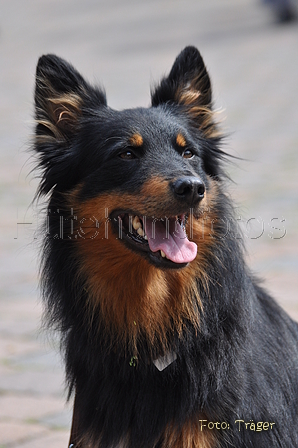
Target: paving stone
point(57, 439)
point(40, 382)
point(60, 420)
point(12, 347)
point(29, 407)
point(11, 432)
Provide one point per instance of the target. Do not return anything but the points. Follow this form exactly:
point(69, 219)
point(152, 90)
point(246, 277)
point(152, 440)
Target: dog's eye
point(187, 154)
point(127, 155)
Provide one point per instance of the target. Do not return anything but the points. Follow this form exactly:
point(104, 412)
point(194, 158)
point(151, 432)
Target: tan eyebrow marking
point(136, 140)
point(180, 140)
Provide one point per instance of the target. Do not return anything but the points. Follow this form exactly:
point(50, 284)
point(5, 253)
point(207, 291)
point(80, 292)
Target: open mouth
point(162, 241)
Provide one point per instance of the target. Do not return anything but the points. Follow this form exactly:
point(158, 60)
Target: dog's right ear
point(60, 95)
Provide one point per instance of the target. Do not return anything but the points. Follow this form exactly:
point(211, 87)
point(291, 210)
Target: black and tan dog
point(169, 341)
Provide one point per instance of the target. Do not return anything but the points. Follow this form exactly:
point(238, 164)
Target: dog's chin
point(129, 229)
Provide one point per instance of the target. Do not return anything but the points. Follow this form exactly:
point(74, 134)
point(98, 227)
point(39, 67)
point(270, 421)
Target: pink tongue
point(173, 242)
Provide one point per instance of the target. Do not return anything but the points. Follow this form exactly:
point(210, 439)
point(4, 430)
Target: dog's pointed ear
point(60, 94)
point(188, 85)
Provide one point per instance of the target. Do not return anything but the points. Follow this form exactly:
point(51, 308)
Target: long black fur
point(243, 363)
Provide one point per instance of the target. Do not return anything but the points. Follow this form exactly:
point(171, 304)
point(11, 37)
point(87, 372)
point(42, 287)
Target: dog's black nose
point(191, 189)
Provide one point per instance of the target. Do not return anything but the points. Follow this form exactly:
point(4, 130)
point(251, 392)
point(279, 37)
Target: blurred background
point(250, 48)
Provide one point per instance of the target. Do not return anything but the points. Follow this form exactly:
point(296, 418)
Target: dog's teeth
point(141, 232)
point(136, 223)
point(162, 254)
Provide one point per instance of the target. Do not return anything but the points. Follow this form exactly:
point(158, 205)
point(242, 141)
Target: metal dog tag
point(163, 362)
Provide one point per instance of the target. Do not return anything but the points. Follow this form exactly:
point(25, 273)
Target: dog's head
point(142, 176)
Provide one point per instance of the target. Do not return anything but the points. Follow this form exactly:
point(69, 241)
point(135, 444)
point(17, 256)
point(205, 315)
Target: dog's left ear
point(188, 84)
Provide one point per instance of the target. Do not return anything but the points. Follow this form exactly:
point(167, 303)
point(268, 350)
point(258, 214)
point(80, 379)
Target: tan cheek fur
point(134, 296)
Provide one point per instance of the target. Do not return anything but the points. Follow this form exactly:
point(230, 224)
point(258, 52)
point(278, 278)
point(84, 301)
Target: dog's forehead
point(150, 124)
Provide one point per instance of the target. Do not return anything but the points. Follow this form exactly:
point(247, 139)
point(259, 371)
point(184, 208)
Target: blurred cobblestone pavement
point(127, 45)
